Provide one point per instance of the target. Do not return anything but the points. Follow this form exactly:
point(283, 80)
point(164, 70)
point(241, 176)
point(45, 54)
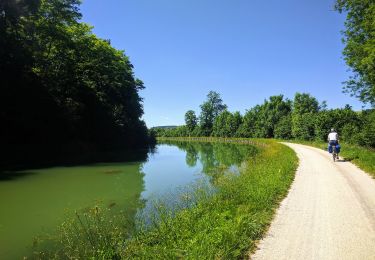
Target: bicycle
point(335, 155)
point(334, 152)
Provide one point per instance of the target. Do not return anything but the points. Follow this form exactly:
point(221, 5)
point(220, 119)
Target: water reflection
point(178, 164)
point(36, 201)
point(179, 168)
point(213, 155)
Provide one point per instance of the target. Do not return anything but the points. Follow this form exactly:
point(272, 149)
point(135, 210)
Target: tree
point(335, 118)
point(359, 51)
point(222, 126)
point(368, 132)
point(283, 128)
point(303, 126)
point(260, 121)
point(62, 87)
point(246, 129)
point(191, 120)
point(271, 113)
point(191, 155)
point(209, 111)
point(305, 107)
point(305, 103)
point(236, 123)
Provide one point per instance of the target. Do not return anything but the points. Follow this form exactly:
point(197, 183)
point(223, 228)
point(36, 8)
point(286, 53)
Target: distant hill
point(165, 127)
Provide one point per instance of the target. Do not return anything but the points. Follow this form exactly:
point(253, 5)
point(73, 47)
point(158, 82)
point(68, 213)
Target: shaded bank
point(67, 96)
point(19, 157)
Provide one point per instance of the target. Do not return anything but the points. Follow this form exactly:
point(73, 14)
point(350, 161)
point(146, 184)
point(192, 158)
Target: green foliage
point(237, 120)
point(267, 115)
point(305, 108)
point(226, 124)
point(359, 52)
point(303, 126)
point(350, 133)
point(191, 120)
point(63, 85)
point(247, 128)
point(366, 137)
point(261, 120)
point(210, 109)
point(303, 119)
point(305, 103)
point(283, 129)
point(337, 119)
point(174, 132)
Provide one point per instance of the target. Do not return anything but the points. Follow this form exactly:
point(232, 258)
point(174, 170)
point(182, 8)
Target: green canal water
point(34, 202)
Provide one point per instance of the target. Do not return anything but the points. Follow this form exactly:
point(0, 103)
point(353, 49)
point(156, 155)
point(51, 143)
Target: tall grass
point(97, 233)
point(224, 224)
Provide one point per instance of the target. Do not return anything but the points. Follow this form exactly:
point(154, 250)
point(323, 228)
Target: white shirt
point(333, 136)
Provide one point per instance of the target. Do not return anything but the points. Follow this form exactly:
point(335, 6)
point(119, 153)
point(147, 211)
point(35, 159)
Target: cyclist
point(333, 138)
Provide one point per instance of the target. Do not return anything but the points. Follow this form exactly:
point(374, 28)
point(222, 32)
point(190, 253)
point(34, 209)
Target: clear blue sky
point(247, 50)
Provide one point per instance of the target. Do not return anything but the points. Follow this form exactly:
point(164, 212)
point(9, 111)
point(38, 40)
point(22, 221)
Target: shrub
point(283, 129)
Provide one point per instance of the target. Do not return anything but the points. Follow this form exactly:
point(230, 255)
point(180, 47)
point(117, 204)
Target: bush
point(303, 126)
point(283, 129)
point(350, 133)
point(367, 135)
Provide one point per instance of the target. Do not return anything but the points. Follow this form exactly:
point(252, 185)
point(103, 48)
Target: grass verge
point(225, 224)
point(363, 157)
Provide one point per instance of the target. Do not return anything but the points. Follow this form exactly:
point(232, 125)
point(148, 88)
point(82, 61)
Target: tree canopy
point(359, 52)
point(191, 120)
point(62, 87)
point(210, 109)
point(302, 118)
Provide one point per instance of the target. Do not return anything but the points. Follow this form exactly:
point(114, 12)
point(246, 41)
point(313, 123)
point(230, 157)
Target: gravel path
point(329, 212)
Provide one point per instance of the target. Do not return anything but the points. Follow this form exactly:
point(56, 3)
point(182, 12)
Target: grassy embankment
point(224, 224)
point(363, 157)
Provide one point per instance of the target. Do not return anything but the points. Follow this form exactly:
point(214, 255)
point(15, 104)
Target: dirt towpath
point(329, 212)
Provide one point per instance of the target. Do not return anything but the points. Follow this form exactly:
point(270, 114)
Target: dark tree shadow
point(12, 175)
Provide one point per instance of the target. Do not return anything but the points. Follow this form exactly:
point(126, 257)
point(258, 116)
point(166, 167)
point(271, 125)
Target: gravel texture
point(329, 212)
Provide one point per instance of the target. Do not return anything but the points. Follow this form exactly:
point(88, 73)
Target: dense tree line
point(304, 118)
point(62, 87)
point(301, 118)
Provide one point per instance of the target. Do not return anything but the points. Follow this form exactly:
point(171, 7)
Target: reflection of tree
point(214, 157)
point(191, 155)
point(206, 156)
point(232, 154)
point(228, 154)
